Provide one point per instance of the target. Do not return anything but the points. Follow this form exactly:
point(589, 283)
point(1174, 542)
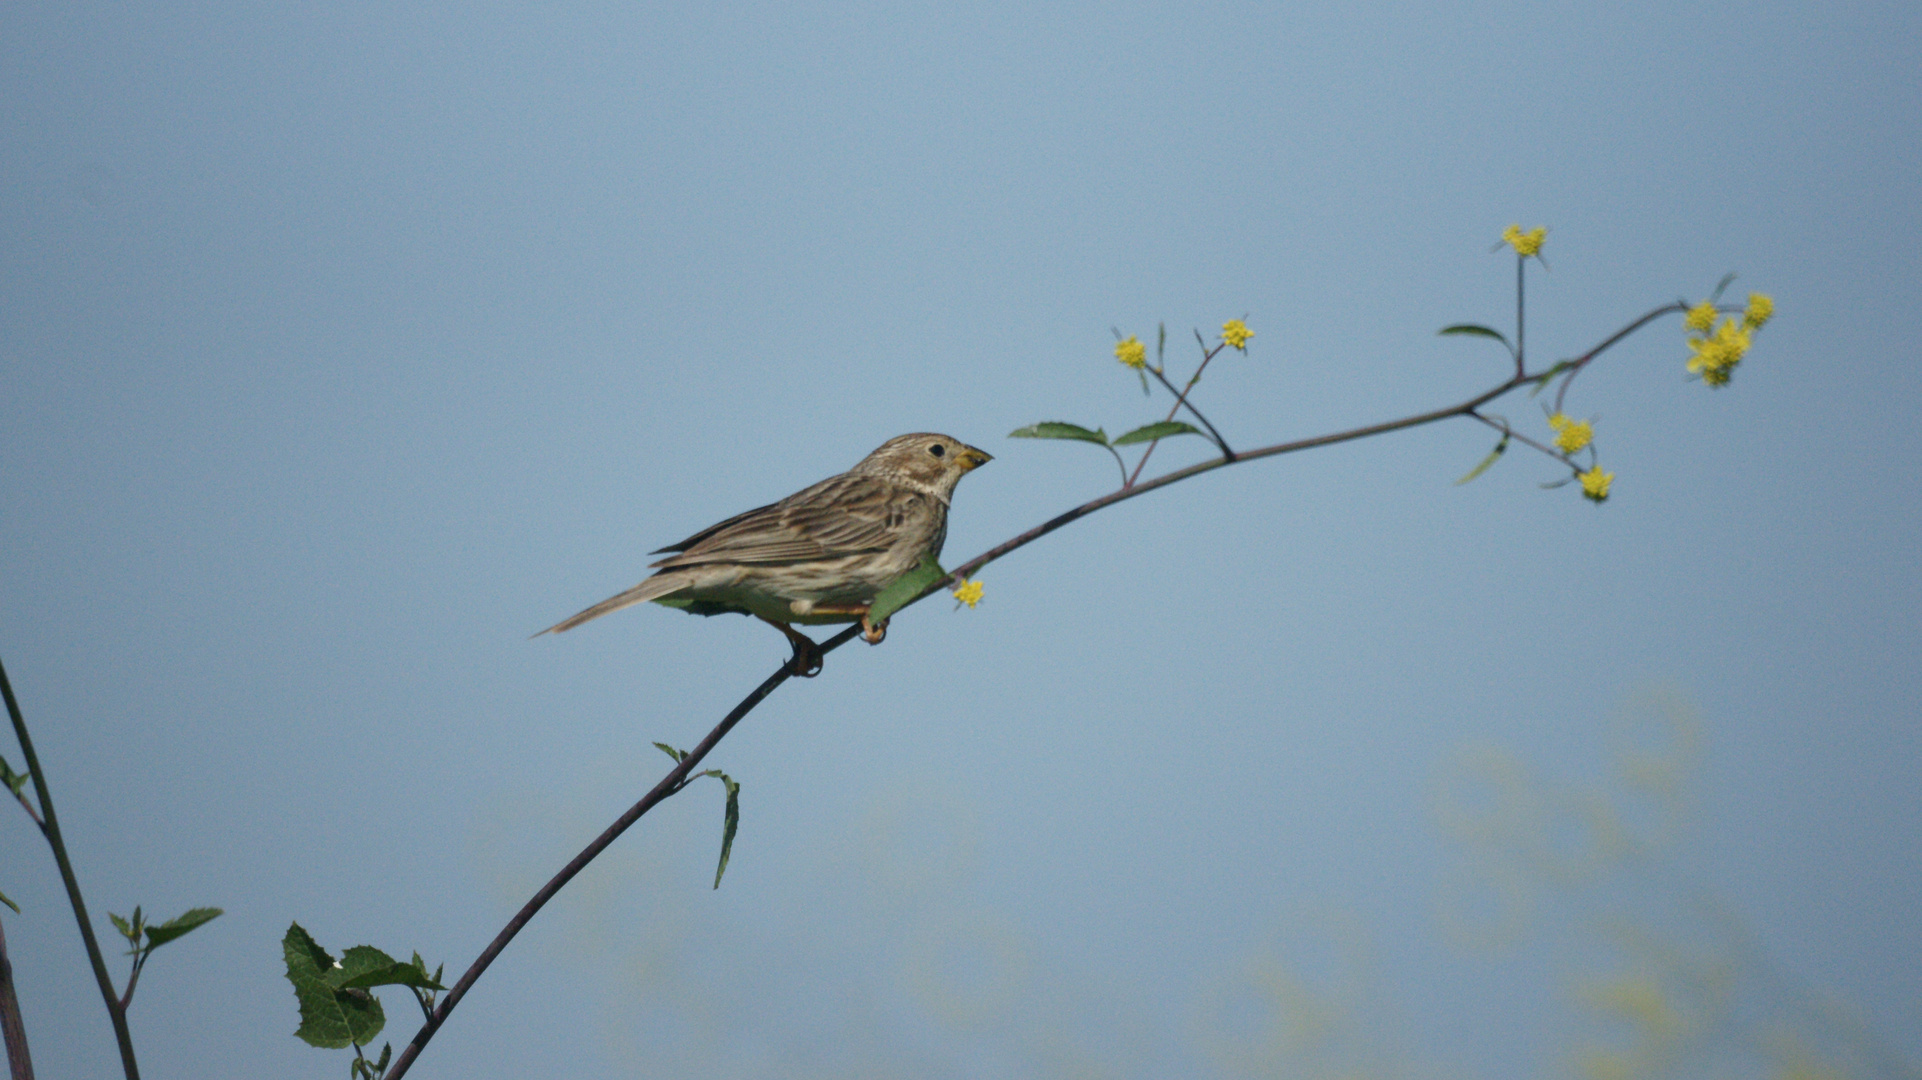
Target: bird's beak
point(972, 459)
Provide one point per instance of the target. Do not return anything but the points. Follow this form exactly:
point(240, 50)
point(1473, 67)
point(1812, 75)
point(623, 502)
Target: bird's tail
point(652, 589)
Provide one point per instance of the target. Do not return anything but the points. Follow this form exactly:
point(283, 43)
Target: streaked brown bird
point(821, 554)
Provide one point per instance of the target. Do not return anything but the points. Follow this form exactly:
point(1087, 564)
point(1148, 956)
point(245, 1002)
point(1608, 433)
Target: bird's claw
point(807, 660)
point(873, 633)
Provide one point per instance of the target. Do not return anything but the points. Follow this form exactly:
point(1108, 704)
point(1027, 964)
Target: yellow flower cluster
point(1716, 352)
point(969, 593)
point(1595, 483)
point(1236, 334)
point(1571, 435)
point(1525, 243)
point(1132, 353)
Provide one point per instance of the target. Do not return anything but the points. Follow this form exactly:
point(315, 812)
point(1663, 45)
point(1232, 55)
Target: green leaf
point(1541, 381)
point(677, 755)
point(1055, 429)
point(729, 823)
point(181, 925)
point(1493, 456)
point(1474, 330)
point(904, 589)
point(126, 929)
point(14, 781)
point(9, 903)
point(1162, 430)
point(375, 968)
point(323, 1022)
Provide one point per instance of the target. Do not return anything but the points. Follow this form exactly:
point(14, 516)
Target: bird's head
point(924, 461)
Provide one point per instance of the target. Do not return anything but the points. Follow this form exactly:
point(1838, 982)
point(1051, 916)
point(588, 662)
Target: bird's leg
point(807, 660)
point(872, 633)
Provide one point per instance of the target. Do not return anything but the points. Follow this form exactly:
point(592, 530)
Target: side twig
point(50, 826)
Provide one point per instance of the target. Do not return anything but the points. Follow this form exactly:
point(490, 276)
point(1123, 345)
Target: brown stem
point(19, 1062)
point(51, 827)
point(677, 777)
point(1180, 400)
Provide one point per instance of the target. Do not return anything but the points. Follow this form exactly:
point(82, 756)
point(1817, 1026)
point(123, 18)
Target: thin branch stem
point(1180, 400)
point(1511, 433)
point(12, 1028)
point(51, 827)
point(677, 777)
point(1521, 324)
point(31, 812)
point(1576, 366)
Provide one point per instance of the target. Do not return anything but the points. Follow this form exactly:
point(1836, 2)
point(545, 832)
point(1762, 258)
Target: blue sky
point(344, 347)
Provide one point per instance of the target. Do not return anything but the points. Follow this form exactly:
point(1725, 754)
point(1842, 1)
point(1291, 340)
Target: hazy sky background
point(343, 347)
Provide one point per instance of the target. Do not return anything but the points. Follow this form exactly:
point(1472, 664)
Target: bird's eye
point(937, 450)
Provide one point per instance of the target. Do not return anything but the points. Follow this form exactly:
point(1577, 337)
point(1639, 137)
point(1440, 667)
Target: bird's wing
point(842, 515)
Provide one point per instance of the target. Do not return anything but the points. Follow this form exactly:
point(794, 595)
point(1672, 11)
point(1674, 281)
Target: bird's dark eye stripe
point(937, 449)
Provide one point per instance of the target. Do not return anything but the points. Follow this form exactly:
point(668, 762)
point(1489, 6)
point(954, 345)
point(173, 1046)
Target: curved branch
point(678, 775)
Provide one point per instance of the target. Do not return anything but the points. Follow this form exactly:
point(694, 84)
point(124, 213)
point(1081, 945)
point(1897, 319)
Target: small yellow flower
point(1717, 354)
point(1132, 353)
point(969, 593)
point(1760, 310)
point(1595, 483)
point(1571, 435)
point(1701, 317)
point(1525, 243)
point(1236, 334)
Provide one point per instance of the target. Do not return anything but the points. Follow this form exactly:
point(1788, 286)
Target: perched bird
point(821, 554)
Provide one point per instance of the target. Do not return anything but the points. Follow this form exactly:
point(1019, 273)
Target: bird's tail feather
point(652, 589)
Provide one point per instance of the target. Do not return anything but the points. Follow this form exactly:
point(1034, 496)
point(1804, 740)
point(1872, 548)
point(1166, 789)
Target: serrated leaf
point(356, 962)
point(905, 588)
point(1162, 430)
point(1493, 456)
point(181, 925)
point(677, 755)
point(1473, 330)
point(322, 1021)
point(9, 903)
point(729, 823)
point(1055, 429)
point(126, 929)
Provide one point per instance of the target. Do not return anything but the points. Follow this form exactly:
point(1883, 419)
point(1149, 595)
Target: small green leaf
point(14, 781)
point(1162, 430)
point(677, 755)
point(1474, 330)
point(9, 903)
point(1541, 381)
point(729, 823)
point(1055, 429)
point(1493, 456)
point(126, 929)
point(905, 589)
point(181, 925)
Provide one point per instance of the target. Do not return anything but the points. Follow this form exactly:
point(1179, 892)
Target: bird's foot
point(808, 659)
point(873, 633)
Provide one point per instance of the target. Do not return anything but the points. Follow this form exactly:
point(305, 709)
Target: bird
point(821, 554)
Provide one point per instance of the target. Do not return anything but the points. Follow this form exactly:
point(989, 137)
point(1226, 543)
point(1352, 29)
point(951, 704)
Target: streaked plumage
point(821, 554)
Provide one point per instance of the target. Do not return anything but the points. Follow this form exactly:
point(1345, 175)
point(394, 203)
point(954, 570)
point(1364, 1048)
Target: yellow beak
point(972, 459)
